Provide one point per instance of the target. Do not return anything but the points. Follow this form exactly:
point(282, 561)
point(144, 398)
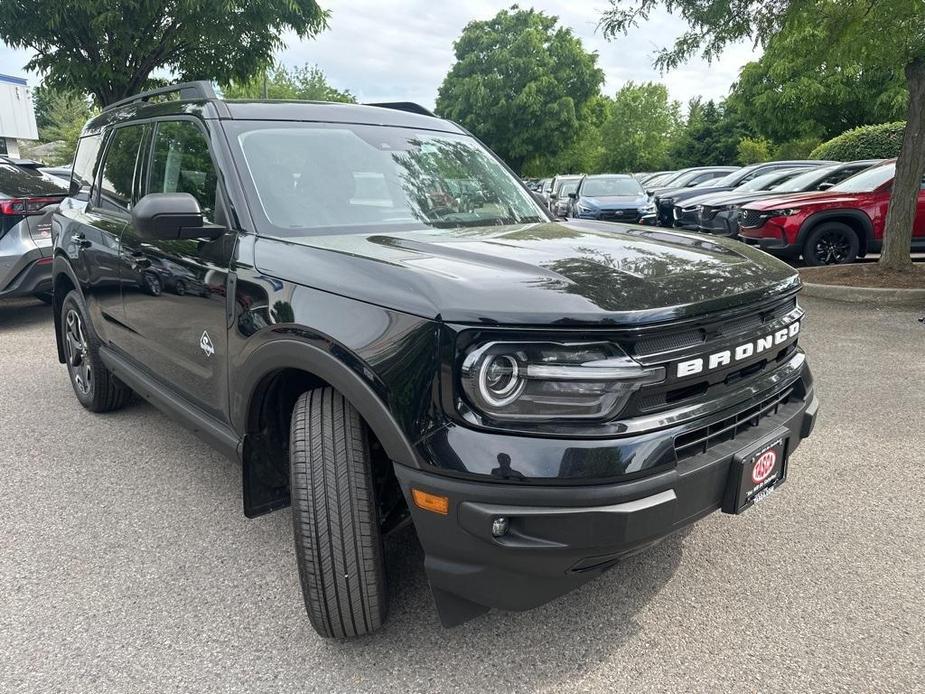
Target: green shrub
point(796, 149)
point(753, 151)
point(867, 142)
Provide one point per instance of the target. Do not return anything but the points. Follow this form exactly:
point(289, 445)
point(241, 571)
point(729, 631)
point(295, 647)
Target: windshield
point(806, 181)
point(344, 178)
point(603, 187)
point(656, 181)
point(562, 184)
point(868, 180)
point(765, 181)
point(684, 179)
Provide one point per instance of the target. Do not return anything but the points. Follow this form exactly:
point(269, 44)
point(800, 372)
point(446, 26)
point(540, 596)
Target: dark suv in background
point(538, 399)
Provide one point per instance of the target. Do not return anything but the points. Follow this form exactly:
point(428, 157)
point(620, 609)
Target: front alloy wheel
point(95, 386)
point(76, 349)
point(833, 243)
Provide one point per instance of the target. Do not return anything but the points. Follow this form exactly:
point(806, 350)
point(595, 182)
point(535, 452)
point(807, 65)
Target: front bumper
point(560, 537)
point(722, 223)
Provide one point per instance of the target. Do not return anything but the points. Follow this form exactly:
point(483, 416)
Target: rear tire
point(336, 525)
point(831, 243)
point(95, 386)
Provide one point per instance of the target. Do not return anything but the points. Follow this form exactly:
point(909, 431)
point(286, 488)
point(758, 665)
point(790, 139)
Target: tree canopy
point(306, 83)
point(640, 128)
point(520, 83)
point(819, 35)
point(109, 48)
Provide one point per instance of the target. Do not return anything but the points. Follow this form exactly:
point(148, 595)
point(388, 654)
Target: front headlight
point(785, 212)
point(541, 381)
point(584, 209)
point(648, 208)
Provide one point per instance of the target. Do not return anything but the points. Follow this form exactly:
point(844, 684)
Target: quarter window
point(182, 164)
point(119, 169)
point(85, 161)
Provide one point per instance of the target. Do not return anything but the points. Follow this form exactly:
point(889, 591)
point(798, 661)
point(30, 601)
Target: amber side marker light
point(430, 502)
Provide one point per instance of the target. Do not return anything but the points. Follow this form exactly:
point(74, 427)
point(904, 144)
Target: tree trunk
point(910, 167)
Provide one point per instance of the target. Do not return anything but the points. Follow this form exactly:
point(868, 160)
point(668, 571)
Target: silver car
point(27, 199)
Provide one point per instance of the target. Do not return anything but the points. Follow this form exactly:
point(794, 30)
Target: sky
point(400, 50)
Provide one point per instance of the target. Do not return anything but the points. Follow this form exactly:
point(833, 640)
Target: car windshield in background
point(766, 181)
point(604, 187)
point(868, 180)
point(343, 178)
point(807, 180)
point(562, 183)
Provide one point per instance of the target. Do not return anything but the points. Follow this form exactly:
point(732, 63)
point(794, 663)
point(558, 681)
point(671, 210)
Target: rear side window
point(119, 169)
point(84, 172)
point(181, 163)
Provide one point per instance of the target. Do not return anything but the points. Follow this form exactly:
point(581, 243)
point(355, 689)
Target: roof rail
point(200, 89)
point(408, 106)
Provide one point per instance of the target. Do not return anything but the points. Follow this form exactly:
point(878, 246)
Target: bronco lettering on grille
point(689, 367)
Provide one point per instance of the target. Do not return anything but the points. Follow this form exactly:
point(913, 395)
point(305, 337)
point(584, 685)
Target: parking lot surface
point(127, 565)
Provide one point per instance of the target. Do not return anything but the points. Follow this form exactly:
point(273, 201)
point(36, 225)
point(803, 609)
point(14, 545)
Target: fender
point(60, 266)
point(817, 218)
point(359, 390)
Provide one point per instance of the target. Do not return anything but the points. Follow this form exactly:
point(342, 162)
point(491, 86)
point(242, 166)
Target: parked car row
point(824, 212)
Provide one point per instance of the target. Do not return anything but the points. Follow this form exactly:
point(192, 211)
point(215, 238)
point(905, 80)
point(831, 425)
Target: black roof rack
point(408, 106)
point(200, 89)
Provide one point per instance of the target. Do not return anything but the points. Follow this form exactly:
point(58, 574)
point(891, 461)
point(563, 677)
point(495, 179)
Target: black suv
point(382, 324)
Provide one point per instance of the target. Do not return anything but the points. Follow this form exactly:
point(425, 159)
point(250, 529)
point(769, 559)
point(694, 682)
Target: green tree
point(710, 135)
point(305, 83)
point(751, 150)
point(109, 48)
point(638, 134)
point(586, 152)
point(520, 83)
point(60, 116)
point(821, 34)
point(785, 101)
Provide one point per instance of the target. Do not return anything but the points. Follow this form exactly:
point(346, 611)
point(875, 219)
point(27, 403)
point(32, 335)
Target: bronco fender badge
point(205, 344)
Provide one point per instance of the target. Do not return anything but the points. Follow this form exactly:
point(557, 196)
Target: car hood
point(817, 196)
point(614, 200)
point(576, 273)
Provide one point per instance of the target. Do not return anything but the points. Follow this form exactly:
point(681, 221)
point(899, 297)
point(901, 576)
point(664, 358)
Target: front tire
point(831, 243)
point(337, 537)
point(95, 386)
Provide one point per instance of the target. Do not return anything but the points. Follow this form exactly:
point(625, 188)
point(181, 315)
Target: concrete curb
point(866, 295)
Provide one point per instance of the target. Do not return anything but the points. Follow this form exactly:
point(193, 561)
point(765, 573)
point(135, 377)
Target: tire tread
point(338, 544)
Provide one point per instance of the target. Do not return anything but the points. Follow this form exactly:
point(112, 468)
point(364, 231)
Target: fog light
point(499, 526)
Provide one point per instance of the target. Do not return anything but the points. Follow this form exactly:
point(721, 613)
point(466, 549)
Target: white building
point(17, 116)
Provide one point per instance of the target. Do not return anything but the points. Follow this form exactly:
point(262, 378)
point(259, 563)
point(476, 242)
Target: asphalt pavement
point(127, 565)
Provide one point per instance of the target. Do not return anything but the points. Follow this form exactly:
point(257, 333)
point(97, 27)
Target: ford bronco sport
point(382, 324)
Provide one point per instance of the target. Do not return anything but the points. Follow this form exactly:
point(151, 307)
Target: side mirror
point(573, 195)
point(170, 216)
point(825, 186)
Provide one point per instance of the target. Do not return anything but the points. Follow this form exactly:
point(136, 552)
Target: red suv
point(834, 226)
